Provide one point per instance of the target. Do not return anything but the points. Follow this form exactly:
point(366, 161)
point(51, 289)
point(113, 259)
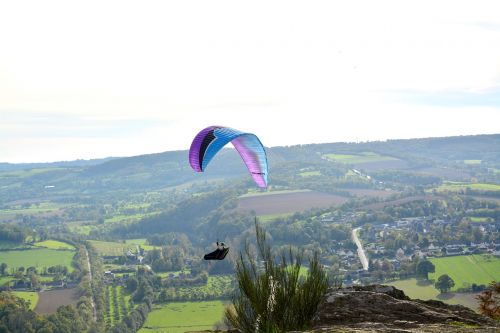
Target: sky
point(91, 79)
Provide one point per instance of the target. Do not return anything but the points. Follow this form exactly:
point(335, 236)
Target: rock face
point(379, 308)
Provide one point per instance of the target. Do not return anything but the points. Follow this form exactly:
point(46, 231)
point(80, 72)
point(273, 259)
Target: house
point(454, 250)
point(400, 255)
point(433, 250)
point(109, 274)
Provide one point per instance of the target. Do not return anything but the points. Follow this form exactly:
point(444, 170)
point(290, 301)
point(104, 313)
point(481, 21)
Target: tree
point(273, 298)
point(425, 267)
point(131, 284)
point(3, 268)
point(444, 283)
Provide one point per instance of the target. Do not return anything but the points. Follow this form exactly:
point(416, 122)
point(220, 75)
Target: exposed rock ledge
point(379, 308)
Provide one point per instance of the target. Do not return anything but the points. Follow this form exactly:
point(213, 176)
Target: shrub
point(274, 298)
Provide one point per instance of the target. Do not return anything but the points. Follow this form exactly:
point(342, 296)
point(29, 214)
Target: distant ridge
point(60, 164)
point(430, 142)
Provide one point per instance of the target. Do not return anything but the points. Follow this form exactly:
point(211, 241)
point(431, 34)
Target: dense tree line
point(13, 233)
point(15, 316)
point(143, 287)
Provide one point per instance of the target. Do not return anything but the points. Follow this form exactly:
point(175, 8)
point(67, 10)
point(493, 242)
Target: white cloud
point(317, 72)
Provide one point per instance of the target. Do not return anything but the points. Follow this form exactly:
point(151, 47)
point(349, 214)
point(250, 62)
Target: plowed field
point(49, 301)
point(289, 202)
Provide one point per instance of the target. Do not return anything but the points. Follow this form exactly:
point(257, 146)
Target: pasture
point(119, 248)
point(272, 217)
point(126, 218)
point(55, 245)
point(78, 228)
point(183, 316)
point(479, 219)
point(479, 269)
point(24, 173)
point(460, 187)
point(288, 202)
point(425, 290)
point(28, 296)
point(310, 173)
point(5, 279)
point(38, 208)
point(38, 258)
point(361, 158)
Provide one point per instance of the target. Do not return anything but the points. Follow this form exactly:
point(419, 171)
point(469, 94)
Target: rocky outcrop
point(380, 308)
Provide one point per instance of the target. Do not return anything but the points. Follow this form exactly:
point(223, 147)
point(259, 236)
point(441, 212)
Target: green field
point(43, 207)
point(479, 269)
point(310, 173)
point(364, 157)
point(459, 187)
point(5, 279)
point(56, 245)
point(272, 217)
point(27, 172)
point(478, 219)
point(29, 296)
point(118, 249)
point(128, 217)
point(425, 290)
point(183, 316)
point(38, 258)
point(472, 162)
point(78, 228)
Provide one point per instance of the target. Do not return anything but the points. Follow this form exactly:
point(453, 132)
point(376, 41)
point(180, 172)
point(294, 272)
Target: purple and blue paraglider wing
point(210, 140)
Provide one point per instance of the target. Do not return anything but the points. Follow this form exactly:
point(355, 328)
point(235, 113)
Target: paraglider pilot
point(218, 254)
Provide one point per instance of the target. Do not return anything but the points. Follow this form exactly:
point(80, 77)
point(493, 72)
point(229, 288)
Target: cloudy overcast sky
point(116, 78)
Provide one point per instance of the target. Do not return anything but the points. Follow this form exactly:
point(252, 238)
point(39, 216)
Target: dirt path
point(92, 301)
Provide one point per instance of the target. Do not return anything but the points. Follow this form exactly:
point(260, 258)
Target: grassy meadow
point(310, 173)
point(117, 248)
point(38, 258)
point(459, 187)
point(479, 269)
point(364, 157)
point(43, 207)
point(183, 316)
point(425, 290)
point(29, 296)
point(55, 245)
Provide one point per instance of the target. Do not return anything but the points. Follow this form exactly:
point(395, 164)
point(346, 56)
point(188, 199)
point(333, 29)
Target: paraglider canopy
point(210, 140)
